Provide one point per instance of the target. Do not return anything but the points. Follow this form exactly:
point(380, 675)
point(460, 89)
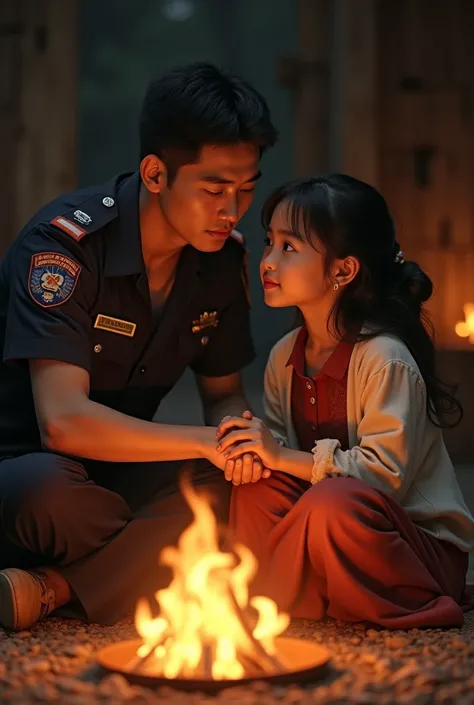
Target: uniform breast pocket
point(112, 359)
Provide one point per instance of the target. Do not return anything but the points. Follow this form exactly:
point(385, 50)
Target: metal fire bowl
point(304, 661)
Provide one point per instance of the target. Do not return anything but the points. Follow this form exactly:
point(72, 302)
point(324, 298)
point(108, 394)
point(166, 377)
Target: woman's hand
point(238, 436)
point(247, 467)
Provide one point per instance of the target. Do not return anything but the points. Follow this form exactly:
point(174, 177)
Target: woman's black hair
point(351, 218)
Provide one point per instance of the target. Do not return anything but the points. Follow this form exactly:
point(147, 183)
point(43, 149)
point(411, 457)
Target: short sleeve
point(50, 290)
point(231, 347)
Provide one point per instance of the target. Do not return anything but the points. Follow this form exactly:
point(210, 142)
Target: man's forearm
point(100, 433)
point(233, 405)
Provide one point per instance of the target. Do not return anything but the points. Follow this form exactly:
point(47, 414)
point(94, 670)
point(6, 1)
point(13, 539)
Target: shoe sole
point(8, 603)
point(20, 601)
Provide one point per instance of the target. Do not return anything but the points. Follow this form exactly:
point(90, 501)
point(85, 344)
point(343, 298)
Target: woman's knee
point(336, 498)
point(276, 494)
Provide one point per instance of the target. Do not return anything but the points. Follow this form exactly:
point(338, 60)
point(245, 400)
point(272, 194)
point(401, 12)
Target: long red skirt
point(345, 550)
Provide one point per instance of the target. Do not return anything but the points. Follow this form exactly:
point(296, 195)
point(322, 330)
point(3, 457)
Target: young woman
point(362, 518)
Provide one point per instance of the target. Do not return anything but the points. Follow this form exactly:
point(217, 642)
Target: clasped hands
point(249, 449)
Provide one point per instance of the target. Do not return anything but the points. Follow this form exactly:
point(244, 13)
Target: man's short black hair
point(196, 105)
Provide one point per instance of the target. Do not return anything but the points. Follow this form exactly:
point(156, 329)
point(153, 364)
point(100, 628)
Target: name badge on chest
point(115, 325)
point(208, 319)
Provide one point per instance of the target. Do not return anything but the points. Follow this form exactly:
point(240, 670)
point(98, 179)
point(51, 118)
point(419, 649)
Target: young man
point(107, 295)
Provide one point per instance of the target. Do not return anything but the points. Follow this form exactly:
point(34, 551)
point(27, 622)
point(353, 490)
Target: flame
point(199, 626)
point(465, 329)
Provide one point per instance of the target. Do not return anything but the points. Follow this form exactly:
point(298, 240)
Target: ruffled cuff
point(323, 460)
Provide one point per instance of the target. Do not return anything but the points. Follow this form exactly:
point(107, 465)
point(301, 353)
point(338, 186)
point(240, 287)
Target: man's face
point(207, 199)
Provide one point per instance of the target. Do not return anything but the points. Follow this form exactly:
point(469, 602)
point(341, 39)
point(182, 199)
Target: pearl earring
point(336, 285)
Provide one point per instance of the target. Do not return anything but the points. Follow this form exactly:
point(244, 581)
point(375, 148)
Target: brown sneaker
point(26, 596)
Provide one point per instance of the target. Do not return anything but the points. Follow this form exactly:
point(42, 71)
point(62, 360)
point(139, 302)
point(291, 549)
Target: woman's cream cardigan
point(393, 445)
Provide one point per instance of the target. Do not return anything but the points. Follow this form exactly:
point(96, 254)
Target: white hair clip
point(399, 257)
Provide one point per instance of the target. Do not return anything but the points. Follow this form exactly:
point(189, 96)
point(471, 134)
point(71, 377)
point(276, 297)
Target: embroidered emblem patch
point(205, 320)
point(69, 227)
point(115, 325)
point(53, 278)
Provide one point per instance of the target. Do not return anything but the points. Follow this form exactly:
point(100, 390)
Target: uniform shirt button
point(97, 348)
point(108, 202)
point(308, 384)
point(142, 370)
point(312, 400)
point(313, 428)
point(204, 340)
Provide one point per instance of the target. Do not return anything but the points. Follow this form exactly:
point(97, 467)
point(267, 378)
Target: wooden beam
point(354, 123)
point(312, 88)
point(38, 107)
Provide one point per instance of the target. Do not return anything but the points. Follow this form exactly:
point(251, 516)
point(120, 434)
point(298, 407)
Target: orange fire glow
point(200, 630)
point(465, 329)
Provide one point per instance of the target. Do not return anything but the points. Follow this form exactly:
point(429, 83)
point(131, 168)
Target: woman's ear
point(153, 173)
point(346, 270)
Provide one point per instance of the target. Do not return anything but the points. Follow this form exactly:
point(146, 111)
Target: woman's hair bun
point(414, 282)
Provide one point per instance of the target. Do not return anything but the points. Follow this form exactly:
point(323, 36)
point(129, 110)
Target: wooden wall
point(38, 99)
point(426, 144)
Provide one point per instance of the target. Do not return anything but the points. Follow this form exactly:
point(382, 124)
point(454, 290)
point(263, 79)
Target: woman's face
point(291, 270)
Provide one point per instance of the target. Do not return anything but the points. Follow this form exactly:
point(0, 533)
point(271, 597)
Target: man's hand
point(247, 467)
point(238, 436)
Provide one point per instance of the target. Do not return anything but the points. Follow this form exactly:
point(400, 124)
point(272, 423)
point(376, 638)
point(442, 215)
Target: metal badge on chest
point(206, 320)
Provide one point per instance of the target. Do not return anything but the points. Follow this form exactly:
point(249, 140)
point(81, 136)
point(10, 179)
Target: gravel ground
point(54, 662)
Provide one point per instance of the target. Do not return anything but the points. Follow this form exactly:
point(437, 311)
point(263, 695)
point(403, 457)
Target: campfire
point(208, 630)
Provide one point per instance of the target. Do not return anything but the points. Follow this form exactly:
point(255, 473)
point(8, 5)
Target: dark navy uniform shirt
point(73, 288)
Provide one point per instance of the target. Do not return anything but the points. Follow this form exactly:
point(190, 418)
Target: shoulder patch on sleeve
point(70, 228)
point(52, 278)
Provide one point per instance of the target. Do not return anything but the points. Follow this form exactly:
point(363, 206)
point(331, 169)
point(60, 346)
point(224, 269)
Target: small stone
point(115, 685)
point(356, 640)
point(261, 687)
point(77, 651)
point(396, 642)
point(368, 657)
point(74, 685)
point(23, 635)
point(44, 692)
point(37, 666)
point(409, 669)
point(79, 700)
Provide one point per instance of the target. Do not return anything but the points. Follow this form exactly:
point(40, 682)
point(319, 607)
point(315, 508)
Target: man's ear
point(153, 173)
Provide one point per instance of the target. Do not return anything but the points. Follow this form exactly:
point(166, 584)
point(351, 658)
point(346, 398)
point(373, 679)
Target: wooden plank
point(427, 101)
point(46, 151)
point(38, 109)
point(11, 30)
point(312, 134)
point(354, 89)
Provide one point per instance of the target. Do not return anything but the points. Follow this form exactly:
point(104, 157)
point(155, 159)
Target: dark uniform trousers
point(102, 527)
